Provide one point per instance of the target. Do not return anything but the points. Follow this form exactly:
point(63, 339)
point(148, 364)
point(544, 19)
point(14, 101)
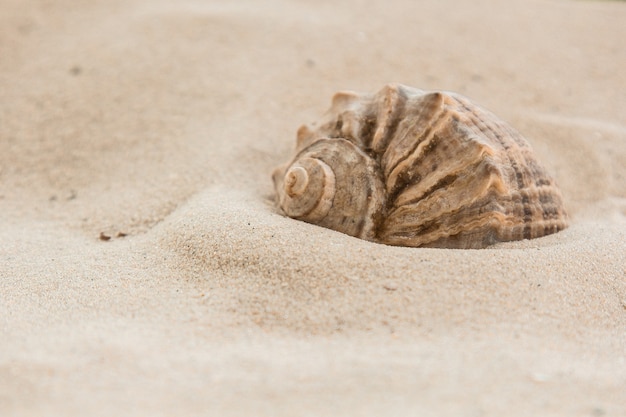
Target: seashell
point(413, 168)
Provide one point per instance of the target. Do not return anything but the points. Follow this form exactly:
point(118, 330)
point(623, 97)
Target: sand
point(157, 124)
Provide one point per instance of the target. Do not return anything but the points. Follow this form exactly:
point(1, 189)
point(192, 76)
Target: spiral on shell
point(413, 168)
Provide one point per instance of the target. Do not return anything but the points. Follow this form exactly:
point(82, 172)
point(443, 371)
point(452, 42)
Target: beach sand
point(157, 124)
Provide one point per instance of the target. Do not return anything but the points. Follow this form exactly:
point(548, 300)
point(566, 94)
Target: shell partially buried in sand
point(413, 168)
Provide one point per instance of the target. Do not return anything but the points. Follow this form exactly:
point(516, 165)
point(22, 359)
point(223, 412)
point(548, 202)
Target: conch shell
point(413, 168)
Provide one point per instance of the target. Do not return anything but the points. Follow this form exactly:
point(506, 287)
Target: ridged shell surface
point(413, 168)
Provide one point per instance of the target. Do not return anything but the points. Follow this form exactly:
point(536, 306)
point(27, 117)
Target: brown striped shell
point(413, 168)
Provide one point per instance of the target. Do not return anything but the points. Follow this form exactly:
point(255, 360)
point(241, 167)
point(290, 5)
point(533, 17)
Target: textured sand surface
point(163, 120)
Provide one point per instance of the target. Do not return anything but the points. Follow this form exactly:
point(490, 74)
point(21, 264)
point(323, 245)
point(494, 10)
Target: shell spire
point(413, 168)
